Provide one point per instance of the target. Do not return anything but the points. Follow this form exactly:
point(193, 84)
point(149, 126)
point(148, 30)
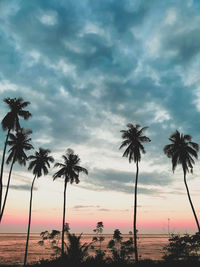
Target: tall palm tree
point(19, 142)
point(69, 170)
point(40, 162)
point(183, 151)
point(133, 139)
point(11, 122)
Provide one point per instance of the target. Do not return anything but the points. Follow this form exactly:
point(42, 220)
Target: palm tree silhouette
point(76, 250)
point(69, 170)
point(40, 162)
point(133, 139)
point(183, 151)
point(20, 142)
point(11, 122)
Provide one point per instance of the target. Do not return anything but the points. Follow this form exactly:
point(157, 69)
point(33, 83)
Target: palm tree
point(133, 139)
point(40, 162)
point(20, 142)
point(11, 122)
point(69, 170)
point(183, 151)
point(76, 251)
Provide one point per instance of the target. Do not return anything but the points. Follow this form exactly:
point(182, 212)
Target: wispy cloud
point(90, 67)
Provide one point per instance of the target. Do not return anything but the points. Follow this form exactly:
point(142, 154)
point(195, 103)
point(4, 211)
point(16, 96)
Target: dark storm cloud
point(76, 60)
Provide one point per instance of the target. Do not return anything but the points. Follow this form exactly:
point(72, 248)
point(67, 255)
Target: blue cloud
point(76, 60)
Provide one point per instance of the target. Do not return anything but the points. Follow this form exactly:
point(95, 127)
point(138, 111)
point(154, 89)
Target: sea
point(12, 246)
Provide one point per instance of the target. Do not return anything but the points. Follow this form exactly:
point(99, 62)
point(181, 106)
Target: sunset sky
point(89, 67)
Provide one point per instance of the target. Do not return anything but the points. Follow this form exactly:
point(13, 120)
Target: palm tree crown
point(70, 169)
point(40, 161)
point(19, 142)
point(16, 106)
point(133, 139)
point(182, 151)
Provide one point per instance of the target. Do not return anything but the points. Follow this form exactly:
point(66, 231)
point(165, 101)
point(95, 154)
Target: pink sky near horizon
point(17, 223)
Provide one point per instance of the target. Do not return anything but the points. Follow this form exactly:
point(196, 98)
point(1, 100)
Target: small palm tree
point(11, 122)
point(183, 151)
point(40, 162)
point(69, 170)
point(19, 142)
point(76, 252)
point(133, 139)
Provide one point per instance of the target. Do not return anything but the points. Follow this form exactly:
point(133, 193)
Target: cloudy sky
point(88, 68)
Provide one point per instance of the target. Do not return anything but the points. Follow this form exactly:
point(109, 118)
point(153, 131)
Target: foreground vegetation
point(181, 251)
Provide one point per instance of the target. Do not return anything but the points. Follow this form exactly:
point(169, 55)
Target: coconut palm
point(11, 122)
point(69, 170)
point(19, 142)
point(133, 139)
point(40, 162)
point(183, 151)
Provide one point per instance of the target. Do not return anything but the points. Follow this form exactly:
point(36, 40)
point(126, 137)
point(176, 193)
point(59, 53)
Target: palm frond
point(181, 151)
point(40, 162)
point(133, 140)
point(70, 169)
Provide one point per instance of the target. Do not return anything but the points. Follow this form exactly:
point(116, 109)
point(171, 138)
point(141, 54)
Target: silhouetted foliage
point(76, 252)
point(70, 171)
point(183, 248)
point(53, 241)
point(66, 227)
point(99, 238)
point(183, 151)
point(121, 251)
point(40, 162)
point(10, 123)
point(19, 142)
point(133, 139)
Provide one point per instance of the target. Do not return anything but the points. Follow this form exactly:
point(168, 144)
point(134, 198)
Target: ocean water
point(12, 247)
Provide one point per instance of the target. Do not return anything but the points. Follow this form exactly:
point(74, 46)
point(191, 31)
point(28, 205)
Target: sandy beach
point(12, 247)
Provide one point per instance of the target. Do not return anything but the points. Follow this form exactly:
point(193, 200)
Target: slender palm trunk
point(63, 225)
point(188, 193)
point(135, 214)
point(2, 165)
point(29, 222)
point(6, 194)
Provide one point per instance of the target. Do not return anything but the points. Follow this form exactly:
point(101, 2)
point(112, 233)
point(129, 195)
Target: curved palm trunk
point(188, 193)
point(63, 225)
point(135, 214)
point(29, 222)
point(2, 165)
point(6, 194)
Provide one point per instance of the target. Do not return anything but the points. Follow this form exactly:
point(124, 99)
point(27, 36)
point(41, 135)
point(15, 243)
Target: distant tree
point(133, 139)
point(183, 151)
point(99, 230)
point(52, 239)
point(117, 236)
point(70, 171)
point(120, 250)
point(19, 142)
point(183, 248)
point(66, 227)
point(39, 164)
point(9, 123)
